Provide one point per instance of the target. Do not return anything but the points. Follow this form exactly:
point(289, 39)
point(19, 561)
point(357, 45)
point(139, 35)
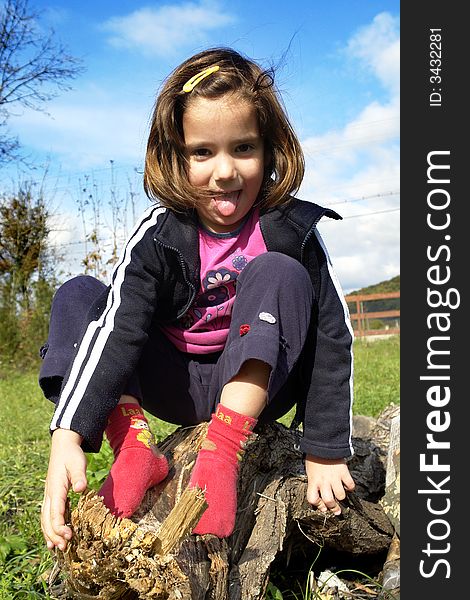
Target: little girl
point(223, 307)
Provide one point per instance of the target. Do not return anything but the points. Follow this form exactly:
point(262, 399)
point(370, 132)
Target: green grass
point(24, 451)
point(376, 374)
point(24, 448)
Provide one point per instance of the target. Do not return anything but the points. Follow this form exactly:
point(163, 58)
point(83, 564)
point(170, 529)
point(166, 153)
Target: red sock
point(137, 464)
point(216, 469)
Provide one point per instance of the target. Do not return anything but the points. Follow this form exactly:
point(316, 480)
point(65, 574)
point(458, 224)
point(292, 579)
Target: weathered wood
point(153, 556)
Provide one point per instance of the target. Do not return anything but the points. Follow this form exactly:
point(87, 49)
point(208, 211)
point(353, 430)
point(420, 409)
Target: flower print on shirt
point(213, 297)
point(239, 262)
point(218, 289)
point(219, 286)
point(217, 278)
point(218, 292)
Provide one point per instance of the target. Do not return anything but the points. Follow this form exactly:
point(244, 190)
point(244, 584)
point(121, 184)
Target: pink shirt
point(204, 328)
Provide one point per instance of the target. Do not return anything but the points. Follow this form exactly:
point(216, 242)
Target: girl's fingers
point(324, 500)
point(51, 538)
point(53, 524)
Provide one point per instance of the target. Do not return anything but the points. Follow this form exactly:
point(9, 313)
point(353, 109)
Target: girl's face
point(225, 154)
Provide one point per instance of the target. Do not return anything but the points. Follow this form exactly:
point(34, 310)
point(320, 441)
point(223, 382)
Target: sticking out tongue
point(227, 204)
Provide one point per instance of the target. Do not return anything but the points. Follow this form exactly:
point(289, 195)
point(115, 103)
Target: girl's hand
point(328, 481)
point(67, 467)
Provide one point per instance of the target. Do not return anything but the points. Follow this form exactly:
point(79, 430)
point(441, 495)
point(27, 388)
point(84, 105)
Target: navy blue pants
point(274, 298)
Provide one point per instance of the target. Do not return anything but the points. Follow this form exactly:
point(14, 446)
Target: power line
point(368, 214)
point(364, 198)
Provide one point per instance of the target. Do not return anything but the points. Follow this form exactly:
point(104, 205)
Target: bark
point(154, 556)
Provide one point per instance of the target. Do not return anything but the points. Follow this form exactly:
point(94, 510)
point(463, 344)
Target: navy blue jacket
point(156, 281)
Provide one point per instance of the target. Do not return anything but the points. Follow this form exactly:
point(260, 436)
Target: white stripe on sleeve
point(80, 364)
point(347, 320)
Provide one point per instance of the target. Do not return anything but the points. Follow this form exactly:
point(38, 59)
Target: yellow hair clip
point(195, 79)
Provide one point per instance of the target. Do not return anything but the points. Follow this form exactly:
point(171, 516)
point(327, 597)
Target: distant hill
point(384, 287)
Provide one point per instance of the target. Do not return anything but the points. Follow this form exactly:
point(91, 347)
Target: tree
point(27, 280)
point(23, 242)
point(33, 68)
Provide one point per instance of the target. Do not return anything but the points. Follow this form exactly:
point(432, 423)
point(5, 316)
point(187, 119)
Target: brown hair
point(165, 174)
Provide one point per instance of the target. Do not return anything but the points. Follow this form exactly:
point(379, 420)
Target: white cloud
point(65, 229)
point(377, 47)
point(160, 31)
point(87, 133)
point(356, 169)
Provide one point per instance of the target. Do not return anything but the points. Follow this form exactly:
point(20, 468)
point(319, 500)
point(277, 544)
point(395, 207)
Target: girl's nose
point(224, 168)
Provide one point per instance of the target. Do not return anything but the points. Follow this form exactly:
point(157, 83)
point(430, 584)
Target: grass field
point(24, 449)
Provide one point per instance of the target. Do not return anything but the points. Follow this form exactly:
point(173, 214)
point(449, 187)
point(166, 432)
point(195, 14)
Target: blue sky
point(338, 72)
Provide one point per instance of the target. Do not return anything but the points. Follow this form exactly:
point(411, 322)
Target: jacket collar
point(284, 229)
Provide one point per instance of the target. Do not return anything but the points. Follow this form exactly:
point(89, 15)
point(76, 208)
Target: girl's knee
point(278, 266)
point(81, 284)
point(74, 298)
point(80, 287)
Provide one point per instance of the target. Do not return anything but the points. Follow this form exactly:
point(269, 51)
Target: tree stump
point(154, 556)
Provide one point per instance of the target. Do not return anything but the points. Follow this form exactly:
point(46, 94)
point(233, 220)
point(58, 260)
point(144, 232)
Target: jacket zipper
point(185, 271)
point(307, 237)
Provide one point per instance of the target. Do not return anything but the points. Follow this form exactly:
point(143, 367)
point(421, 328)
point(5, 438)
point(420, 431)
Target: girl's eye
point(201, 152)
point(245, 148)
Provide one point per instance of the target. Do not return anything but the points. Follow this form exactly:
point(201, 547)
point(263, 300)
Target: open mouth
point(227, 203)
point(227, 196)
